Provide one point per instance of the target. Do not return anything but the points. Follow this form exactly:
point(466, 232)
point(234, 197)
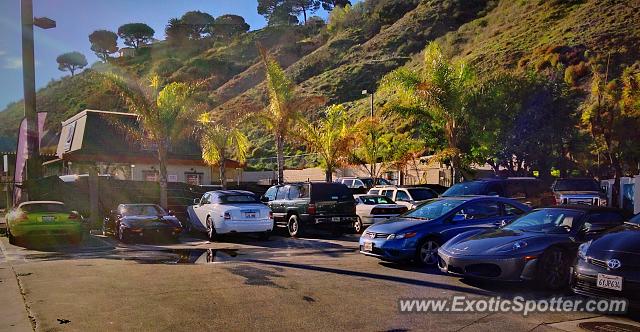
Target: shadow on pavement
point(375, 276)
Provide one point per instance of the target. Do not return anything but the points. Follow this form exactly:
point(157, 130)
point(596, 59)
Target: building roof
point(107, 137)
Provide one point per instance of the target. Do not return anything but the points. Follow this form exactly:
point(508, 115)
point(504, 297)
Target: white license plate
point(48, 218)
point(335, 219)
point(368, 246)
point(609, 282)
point(250, 215)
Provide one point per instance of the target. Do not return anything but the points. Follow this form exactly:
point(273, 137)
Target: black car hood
point(150, 221)
point(499, 241)
point(622, 240)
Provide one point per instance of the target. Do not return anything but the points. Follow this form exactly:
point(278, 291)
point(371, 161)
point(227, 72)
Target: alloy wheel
point(429, 253)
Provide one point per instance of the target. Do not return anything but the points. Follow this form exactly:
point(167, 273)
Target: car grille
point(603, 264)
point(373, 235)
point(598, 263)
point(630, 291)
point(483, 270)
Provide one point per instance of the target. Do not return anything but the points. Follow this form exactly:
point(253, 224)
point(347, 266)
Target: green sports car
point(44, 219)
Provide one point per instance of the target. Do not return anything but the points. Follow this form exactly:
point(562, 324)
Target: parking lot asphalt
point(241, 283)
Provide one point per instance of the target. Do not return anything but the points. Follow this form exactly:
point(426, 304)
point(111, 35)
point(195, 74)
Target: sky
point(76, 19)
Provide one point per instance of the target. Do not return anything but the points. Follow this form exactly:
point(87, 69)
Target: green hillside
point(374, 38)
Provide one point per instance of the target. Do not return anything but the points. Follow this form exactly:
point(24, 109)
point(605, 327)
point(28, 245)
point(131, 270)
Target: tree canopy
point(135, 34)
point(103, 43)
point(229, 25)
point(197, 23)
point(71, 62)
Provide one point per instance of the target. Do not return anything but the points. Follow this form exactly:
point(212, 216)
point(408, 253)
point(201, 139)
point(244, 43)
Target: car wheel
point(211, 230)
point(12, 239)
point(427, 253)
point(357, 226)
point(553, 269)
point(293, 226)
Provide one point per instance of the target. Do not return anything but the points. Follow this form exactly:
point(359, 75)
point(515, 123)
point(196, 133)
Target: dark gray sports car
point(540, 245)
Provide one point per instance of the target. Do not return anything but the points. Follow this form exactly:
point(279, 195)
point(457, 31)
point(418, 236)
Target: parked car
point(230, 211)
point(608, 267)
point(417, 234)
point(46, 219)
point(407, 196)
point(129, 222)
point(579, 191)
point(358, 182)
point(530, 191)
point(302, 206)
point(375, 208)
point(539, 246)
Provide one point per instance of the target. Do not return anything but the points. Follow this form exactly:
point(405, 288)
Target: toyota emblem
point(613, 264)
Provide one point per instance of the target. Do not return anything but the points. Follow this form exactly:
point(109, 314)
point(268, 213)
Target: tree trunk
point(328, 175)
point(162, 160)
point(304, 14)
point(223, 176)
point(280, 157)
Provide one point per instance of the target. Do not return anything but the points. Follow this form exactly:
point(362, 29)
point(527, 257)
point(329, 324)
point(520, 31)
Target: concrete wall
point(177, 171)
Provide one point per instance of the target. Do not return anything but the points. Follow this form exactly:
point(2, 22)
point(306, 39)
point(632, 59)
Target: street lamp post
point(29, 83)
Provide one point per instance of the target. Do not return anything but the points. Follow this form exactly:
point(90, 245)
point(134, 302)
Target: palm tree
point(163, 115)
point(330, 138)
point(221, 142)
point(284, 108)
point(442, 91)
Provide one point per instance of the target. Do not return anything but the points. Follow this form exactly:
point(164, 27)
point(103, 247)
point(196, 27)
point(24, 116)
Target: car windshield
point(142, 210)
point(576, 185)
point(43, 207)
point(367, 182)
point(466, 188)
point(373, 200)
point(547, 221)
point(239, 199)
point(433, 210)
point(421, 194)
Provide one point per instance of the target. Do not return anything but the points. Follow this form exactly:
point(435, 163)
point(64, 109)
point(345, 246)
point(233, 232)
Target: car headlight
point(401, 236)
point(582, 250)
point(514, 246)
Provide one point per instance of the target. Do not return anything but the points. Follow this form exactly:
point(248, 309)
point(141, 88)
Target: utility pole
point(29, 84)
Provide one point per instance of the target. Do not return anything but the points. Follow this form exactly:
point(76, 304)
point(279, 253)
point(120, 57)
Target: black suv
point(530, 191)
point(301, 206)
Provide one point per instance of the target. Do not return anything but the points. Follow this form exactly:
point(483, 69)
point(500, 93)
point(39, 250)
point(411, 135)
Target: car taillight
point(227, 216)
point(311, 209)
point(74, 216)
point(22, 217)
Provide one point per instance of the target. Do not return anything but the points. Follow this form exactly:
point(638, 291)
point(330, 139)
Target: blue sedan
point(417, 234)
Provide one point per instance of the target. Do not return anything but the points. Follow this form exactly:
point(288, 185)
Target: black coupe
point(609, 267)
point(141, 221)
point(537, 246)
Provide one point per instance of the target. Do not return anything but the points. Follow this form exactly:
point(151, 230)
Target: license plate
point(609, 282)
point(368, 246)
point(250, 215)
point(335, 219)
point(48, 218)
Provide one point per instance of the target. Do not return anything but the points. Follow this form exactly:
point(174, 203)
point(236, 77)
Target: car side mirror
point(196, 201)
point(171, 213)
point(264, 199)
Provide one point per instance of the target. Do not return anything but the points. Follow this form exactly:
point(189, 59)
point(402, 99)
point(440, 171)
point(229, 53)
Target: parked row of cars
point(595, 250)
